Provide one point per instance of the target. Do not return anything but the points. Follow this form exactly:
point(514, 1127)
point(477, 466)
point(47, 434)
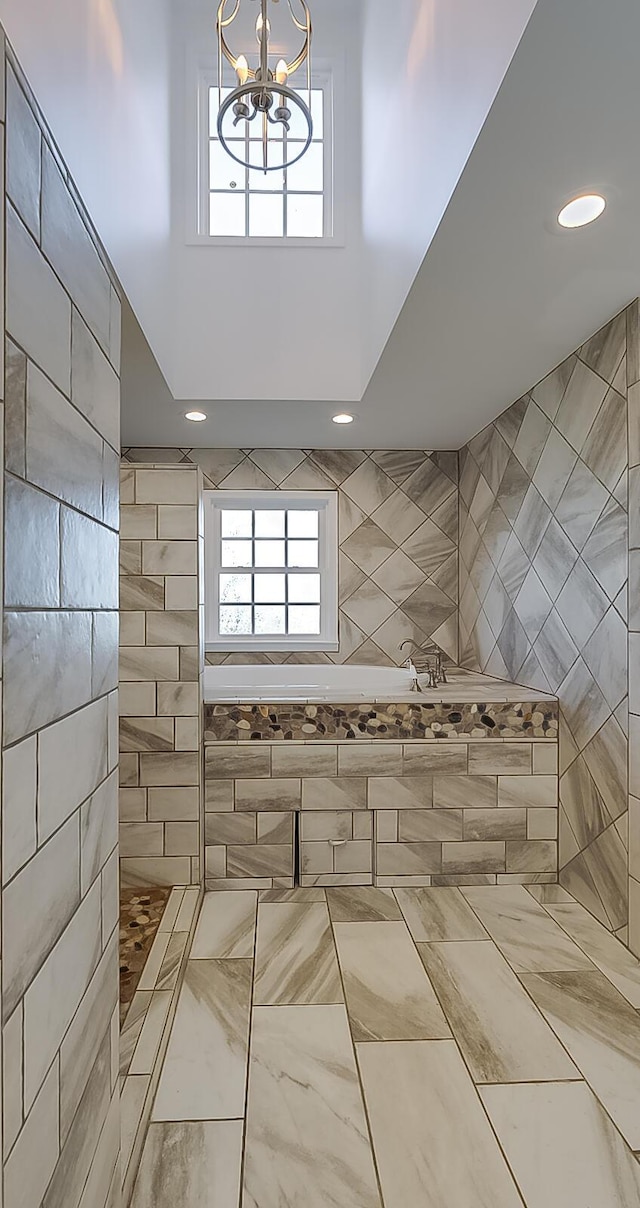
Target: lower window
point(271, 570)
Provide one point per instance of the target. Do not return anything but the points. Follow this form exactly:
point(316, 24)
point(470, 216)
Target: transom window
point(291, 203)
point(271, 570)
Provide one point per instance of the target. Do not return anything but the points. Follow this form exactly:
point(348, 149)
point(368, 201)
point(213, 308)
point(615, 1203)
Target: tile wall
point(61, 1134)
point(398, 530)
point(633, 400)
point(383, 813)
point(543, 588)
point(161, 662)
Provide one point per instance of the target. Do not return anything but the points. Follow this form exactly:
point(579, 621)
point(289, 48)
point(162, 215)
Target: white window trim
point(323, 75)
point(326, 502)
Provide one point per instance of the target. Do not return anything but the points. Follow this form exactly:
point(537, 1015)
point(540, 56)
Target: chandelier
point(263, 95)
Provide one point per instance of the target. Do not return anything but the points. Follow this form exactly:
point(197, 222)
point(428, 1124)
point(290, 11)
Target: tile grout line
point(559, 1038)
point(374, 1156)
point(245, 1118)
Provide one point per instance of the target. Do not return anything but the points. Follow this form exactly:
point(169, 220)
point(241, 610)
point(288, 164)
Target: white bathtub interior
point(325, 682)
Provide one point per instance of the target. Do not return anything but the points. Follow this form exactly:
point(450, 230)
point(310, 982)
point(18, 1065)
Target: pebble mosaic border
point(306, 722)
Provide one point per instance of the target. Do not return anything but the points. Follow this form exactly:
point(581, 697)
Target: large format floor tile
point(362, 904)
point(226, 927)
point(439, 914)
point(612, 958)
point(388, 994)
point(307, 1141)
point(501, 1034)
point(602, 1034)
point(295, 955)
point(191, 1164)
point(432, 1140)
point(260, 1104)
point(529, 938)
point(562, 1147)
point(204, 1072)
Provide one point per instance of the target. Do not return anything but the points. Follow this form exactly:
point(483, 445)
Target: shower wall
point(543, 588)
point(61, 1129)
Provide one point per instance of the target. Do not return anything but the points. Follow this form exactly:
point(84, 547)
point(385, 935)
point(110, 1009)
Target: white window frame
point(322, 76)
point(326, 503)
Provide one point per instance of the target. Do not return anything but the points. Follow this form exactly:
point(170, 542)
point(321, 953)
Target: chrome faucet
point(428, 662)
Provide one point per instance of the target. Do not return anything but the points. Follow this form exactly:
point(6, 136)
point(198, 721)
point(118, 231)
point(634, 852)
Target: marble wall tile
point(95, 388)
point(72, 761)
point(25, 1180)
point(19, 791)
point(398, 792)
point(77, 1152)
point(28, 936)
point(59, 645)
point(85, 1037)
point(32, 547)
point(38, 309)
point(54, 995)
point(57, 437)
point(88, 554)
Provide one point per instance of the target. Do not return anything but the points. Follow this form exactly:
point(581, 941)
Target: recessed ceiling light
point(582, 210)
point(196, 416)
point(342, 418)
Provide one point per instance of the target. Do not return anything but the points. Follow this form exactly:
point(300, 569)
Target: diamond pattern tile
point(368, 546)
point(399, 577)
point(368, 486)
point(560, 545)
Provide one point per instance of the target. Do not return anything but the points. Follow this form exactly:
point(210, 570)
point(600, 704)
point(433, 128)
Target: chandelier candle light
point(264, 92)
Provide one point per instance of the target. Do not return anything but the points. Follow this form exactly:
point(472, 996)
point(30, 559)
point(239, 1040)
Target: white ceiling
point(501, 295)
point(484, 293)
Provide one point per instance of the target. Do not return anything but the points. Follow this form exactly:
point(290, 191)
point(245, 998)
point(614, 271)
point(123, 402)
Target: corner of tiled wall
point(633, 401)
point(543, 587)
point(161, 667)
point(61, 1130)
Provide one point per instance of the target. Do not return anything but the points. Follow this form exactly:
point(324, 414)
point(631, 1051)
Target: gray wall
point(398, 527)
point(543, 589)
point(59, 652)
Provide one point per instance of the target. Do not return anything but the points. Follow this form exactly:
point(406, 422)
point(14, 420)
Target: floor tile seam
point(157, 1071)
point(469, 1072)
point(574, 1060)
point(363, 1099)
point(245, 1116)
point(597, 967)
point(510, 963)
point(543, 1018)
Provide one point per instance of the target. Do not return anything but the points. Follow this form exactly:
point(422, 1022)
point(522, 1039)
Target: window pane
point(269, 589)
point(308, 173)
point(235, 524)
point(305, 217)
point(304, 589)
point(298, 127)
point(265, 215)
point(304, 620)
point(302, 553)
point(317, 112)
point(302, 524)
point(269, 524)
point(269, 619)
point(269, 553)
point(224, 173)
point(226, 214)
point(236, 553)
point(215, 101)
point(235, 589)
point(235, 618)
point(271, 181)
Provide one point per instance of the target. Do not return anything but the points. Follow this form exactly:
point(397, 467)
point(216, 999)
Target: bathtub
point(325, 682)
